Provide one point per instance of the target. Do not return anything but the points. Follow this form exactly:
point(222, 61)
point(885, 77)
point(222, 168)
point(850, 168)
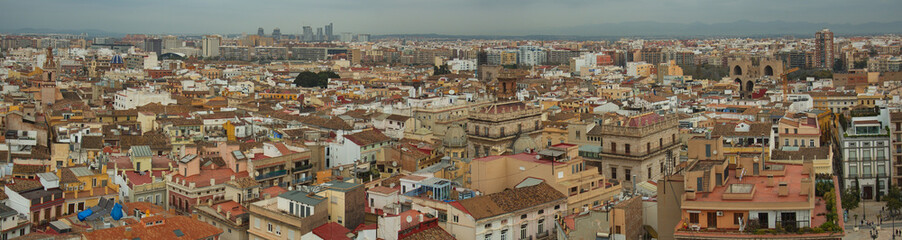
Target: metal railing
point(271, 174)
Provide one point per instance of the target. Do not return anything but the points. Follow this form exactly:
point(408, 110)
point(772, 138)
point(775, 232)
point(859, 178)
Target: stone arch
point(738, 81)
point(749, 86)
point(737, 70)
point(768, 71)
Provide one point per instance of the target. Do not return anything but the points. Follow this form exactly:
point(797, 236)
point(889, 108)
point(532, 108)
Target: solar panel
point(178, 232)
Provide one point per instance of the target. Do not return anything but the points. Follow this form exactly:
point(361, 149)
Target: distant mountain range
point(647, 29)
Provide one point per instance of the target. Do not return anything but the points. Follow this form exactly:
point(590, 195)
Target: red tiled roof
point(330, 231)
point(188, 227)
point(222, 175)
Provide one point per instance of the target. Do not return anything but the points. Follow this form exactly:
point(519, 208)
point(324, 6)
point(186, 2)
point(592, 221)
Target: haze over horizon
point(465, 17)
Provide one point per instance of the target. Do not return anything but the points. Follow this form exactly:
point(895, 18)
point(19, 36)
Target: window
point(541, 227)
point(613, 173)
point(649, 172)
point(853, 154)
point(577, 137)
point(736, 217)
point(811, 143)
point(795, 131)
point(627, 173)
point(504, 234)
point(256, 223)
point(866, 154)
point(523, 216)
point(785, 142)
point(523, 228)
point(627, 148)
point(488, 236)
point(707, 150)
point(488, 225)
point(613, 147)
point(455, 218)
point(693, 218)
point(786, 130)
point(269, 227)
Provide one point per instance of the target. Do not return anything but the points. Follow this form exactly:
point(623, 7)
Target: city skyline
point(500, 17)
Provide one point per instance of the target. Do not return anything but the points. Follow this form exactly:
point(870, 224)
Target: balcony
point(302, 180)
point(271, 174)
point(302, 168)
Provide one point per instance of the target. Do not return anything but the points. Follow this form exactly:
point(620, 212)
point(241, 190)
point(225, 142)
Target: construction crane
point(786, 82)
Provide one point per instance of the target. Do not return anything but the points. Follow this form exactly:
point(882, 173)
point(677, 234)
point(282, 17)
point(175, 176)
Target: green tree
point(309, 79)
point(441, 70)
point(860, 64)
point(851, 198)
point(326, 75)
point(893, 199)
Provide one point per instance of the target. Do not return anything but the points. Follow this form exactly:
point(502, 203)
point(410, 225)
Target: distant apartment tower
point(363, 37)
point(319, 34)
point(154, 45)
point(171, 42)
point(531, 55)
point(260, 32)
point(823, 49)
point(210, 46)
point(329, 35)
point(276, 34)
point(347, 37)
point(307, 34)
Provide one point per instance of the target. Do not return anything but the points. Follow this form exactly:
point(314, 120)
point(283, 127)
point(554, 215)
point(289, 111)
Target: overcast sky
point(469, 17)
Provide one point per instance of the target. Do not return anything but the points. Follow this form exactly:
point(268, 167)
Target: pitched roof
point(367, 137)
point(331, 231)
point(510, 200)
point(176, 227)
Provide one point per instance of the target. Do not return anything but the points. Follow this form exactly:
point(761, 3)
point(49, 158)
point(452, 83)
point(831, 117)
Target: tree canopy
point(310, 79)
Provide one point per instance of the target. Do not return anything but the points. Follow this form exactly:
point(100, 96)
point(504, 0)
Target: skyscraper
point(154, 45)
point(210, 46)
point(276, 34)
point(823, 49)
point(329, 36)
point(307, 34)
point(260, 31)
point(171, 42)
point(319, 34)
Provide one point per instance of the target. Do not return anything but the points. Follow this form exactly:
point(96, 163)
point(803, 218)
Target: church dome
point(455, 137)
point(523, 143)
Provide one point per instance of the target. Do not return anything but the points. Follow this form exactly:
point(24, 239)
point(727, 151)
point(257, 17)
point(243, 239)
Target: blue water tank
point(117, 212)
point(84, 214)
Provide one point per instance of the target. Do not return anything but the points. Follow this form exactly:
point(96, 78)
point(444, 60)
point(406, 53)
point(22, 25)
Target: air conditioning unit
point(720, 213)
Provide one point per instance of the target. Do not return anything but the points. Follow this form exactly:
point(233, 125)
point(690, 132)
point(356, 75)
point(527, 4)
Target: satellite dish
point(394, 163)
point(409, 219)
point(341, 168)
point(256, 174)
point(450, 91)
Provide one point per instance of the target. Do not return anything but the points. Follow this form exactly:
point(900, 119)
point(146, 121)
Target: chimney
point(806, 186)
point(783, 189)
point(239, 221)
point(421, 217)
point(770, 180)
point(128, 232)
point(228, 214)
point(233, 176)
point(690, 194)
point(213, 181)
point(219, 208)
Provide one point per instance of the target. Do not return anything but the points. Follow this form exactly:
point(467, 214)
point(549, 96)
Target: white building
point(210, 46)
point(531, 55)
point(132, 98)
point(462, 65)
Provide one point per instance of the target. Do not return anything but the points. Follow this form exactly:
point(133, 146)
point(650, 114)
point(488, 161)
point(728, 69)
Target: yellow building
point(83, 187)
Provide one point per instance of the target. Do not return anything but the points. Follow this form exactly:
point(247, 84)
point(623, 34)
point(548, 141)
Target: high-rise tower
point(276, 34)
point(260, 32)
point(823, 49)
